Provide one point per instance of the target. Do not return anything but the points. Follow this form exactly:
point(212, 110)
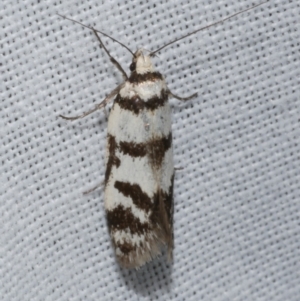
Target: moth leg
point(182, 98)
point(102, 104)
point(111, 58)
point(94, 188)
point(178, 168)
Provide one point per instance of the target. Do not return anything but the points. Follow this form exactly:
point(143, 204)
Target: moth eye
point(132, 67)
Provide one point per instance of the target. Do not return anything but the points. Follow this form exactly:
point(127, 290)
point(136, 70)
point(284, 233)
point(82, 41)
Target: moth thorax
point(143, 63)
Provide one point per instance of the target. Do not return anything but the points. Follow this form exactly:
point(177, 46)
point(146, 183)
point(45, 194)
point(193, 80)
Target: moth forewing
point(140, 171)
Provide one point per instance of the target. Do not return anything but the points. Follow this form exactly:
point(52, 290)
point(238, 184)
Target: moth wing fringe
point(140, 256)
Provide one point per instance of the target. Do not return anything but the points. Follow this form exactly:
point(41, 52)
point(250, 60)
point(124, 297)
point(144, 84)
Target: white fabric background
point(237, 208)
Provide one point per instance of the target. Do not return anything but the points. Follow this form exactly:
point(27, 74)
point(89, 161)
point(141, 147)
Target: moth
point(139, 175)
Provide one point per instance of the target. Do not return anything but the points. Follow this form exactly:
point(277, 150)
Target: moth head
point(141, 62)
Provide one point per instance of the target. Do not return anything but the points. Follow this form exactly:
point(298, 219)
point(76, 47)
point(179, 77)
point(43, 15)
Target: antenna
point(205, 27)
point(93, 29)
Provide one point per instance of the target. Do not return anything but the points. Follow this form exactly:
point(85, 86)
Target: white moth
point(139, 173)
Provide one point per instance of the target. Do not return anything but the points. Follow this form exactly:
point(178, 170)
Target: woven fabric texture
point(237, 196)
